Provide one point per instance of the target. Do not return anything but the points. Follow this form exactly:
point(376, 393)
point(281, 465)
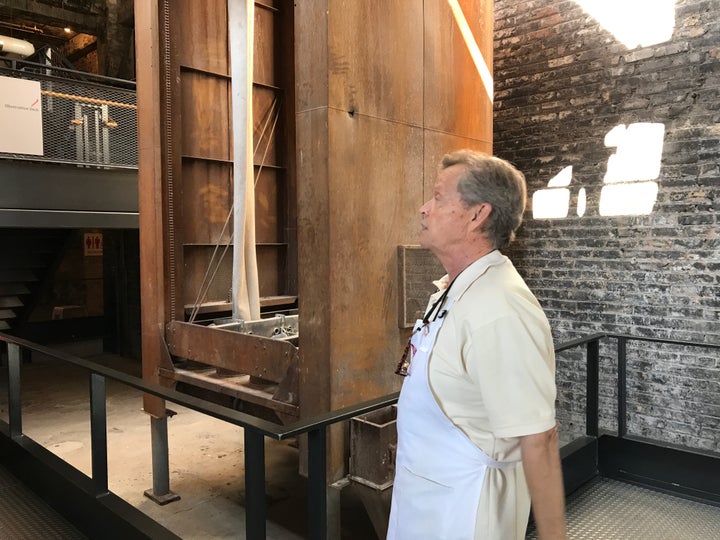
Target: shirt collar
point(470, 274)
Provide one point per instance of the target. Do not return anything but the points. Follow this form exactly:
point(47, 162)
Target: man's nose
point(424, 208)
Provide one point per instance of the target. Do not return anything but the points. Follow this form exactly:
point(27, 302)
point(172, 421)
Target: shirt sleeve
point(513, 364)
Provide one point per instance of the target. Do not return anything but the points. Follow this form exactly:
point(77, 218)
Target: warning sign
point(93, 244)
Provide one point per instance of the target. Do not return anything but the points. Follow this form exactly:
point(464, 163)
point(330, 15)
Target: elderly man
point(477, 440)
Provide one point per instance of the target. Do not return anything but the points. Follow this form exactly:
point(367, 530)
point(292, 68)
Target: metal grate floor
point(606, 509)
point(25, 516)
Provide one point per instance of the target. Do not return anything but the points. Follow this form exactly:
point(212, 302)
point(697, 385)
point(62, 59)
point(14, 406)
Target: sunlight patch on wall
point(637, 160)
point(634, 22)
point(477, 57)
point(553, 202)
point(629, 187)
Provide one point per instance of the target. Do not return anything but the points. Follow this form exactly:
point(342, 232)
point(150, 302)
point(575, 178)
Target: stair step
point(24, 243)
point(17, 274)
point(4, 326)
point(6, 314)
point(10, 302)
point(10, 289)
point(23, 260)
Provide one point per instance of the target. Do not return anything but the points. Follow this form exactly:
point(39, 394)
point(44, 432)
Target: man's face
point(445, 219)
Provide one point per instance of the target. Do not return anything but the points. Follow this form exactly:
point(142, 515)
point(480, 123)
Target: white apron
point(439, 471)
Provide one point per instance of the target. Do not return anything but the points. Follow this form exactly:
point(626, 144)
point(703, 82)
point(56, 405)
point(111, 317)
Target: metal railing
point(255, 429)
point(592, 345)
point(87, 120)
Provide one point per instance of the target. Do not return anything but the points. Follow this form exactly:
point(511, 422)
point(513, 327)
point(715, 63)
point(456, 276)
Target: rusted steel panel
point(264, 60)
point(267, 108)
point(240, 387)
point(270, 262)
point(151, 200)
point(377, 201)
point(314, 257)
point(265, 358)
point(203, 33)
point(208, 273)
point(456, 101)
point(436, 145)
point(205, 211)
point(269, 200)
point(311, 57)
point(205, 116)
point(375, 54)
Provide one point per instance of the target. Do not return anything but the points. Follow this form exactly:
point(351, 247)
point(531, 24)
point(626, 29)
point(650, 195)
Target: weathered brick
point(564, 82)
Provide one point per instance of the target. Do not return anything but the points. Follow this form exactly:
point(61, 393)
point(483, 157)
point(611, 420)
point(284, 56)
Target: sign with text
point(20, 116)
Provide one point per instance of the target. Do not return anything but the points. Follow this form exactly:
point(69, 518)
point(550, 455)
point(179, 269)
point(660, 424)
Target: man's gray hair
point(489, 179)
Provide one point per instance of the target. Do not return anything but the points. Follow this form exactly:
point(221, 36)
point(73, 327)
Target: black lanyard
point(404, 364)
point(438, 304)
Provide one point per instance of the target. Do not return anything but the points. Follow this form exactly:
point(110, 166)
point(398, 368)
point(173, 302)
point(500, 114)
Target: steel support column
point(317, 484)
point(14, 402)
point(98, 434)
point(255, 511)
point(622, 387)
point(160, 492)
point(593, 388)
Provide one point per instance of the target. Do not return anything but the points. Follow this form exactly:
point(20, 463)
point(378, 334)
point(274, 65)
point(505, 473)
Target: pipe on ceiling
point(16, 48)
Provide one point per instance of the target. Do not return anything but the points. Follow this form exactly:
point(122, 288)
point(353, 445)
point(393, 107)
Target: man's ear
point(480, 216)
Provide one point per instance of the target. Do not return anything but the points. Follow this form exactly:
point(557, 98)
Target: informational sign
point(93, 244)
point(20, 116)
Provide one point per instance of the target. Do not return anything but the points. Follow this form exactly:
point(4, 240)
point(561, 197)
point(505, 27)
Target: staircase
point(28, 258)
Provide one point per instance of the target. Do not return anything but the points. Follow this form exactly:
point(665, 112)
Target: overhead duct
point(15, 48)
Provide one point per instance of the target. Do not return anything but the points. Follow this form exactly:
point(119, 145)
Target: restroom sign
point(93, 244)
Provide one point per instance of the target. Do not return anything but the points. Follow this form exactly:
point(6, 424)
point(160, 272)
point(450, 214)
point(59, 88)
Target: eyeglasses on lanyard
point(403, 366)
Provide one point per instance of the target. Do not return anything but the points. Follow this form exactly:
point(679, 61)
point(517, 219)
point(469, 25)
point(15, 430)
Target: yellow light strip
point(478, 58)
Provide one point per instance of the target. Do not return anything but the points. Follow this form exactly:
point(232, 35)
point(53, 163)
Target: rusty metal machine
point(352, 103)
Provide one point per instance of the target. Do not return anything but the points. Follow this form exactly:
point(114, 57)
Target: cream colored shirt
point(492, 371)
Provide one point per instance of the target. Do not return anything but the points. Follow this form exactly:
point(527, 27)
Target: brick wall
point(563, 82)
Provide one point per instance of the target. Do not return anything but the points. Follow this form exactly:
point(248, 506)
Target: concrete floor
point(206, 456)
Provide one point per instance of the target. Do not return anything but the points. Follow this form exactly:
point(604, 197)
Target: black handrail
point(256, 429)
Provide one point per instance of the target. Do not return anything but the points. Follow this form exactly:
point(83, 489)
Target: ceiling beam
point(46, 14)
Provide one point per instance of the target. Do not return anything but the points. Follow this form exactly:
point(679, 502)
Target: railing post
point(622, 387)
point(98, 434)
point(593, 388)
point(255, 510)
point(317, 484)
point(14, 401)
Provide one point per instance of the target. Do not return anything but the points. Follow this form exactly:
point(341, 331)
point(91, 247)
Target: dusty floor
point(206, 456)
